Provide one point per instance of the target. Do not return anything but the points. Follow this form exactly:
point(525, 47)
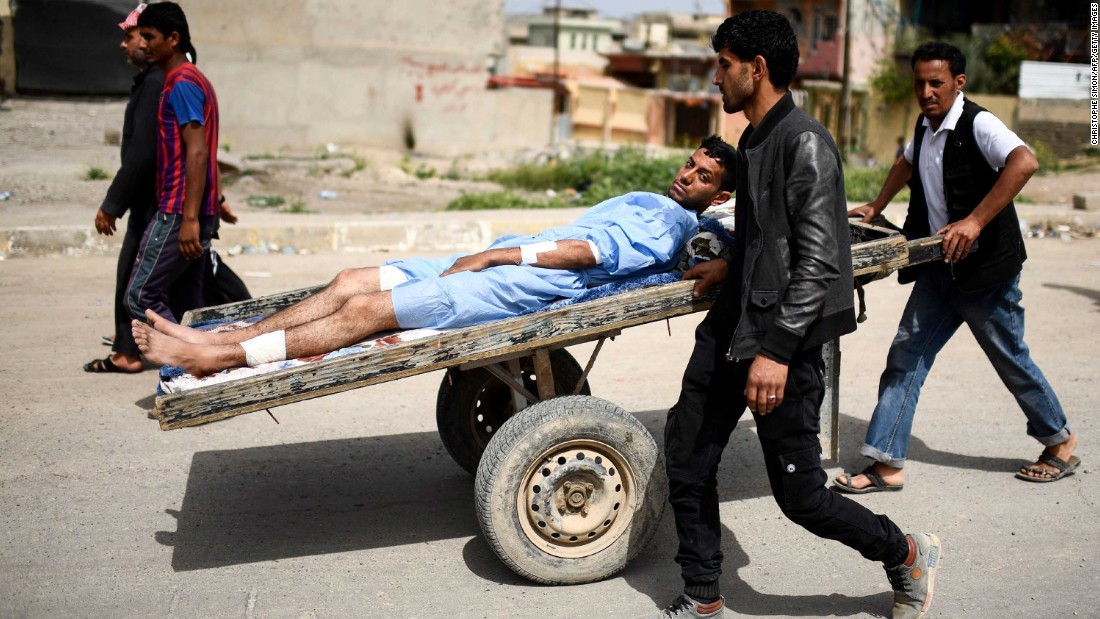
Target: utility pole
point(846, 85)
point(557, 79)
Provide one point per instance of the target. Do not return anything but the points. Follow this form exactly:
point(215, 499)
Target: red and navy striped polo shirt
point(187, 96)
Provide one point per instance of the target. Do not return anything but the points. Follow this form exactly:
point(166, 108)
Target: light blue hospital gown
point(637, 234)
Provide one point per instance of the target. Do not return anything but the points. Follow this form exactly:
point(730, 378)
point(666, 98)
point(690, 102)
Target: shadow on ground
point(1089, 293)
point(283, 501)
point(264, 503)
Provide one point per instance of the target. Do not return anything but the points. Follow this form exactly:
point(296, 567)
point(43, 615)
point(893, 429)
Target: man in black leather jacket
point(786, 291)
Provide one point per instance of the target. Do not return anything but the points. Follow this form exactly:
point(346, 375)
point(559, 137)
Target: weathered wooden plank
point(883, 254)
point(530, 332)
point(862, 233)
point(497, 340)
point(925, 250)
point(544, 374)
point(261, 306)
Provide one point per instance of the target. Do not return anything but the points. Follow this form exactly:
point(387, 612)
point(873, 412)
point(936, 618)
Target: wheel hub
point(574, 500)
point(576, 495)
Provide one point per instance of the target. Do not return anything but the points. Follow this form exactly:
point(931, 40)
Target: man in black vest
point(787, 290)
point(970, 167)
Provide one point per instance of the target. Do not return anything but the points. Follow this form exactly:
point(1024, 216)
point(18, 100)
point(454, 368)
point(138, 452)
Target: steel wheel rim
point(489, 410)
point(577, 498)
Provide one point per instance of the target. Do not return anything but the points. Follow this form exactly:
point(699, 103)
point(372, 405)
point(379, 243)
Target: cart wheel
point(472, 405)
point(570, 490)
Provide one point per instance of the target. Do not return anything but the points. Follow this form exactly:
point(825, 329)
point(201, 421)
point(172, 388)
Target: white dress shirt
point(994, 139)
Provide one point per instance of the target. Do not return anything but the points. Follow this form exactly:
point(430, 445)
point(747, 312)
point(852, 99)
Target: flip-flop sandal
point(106, 366)
point(107, 340)
point(1042, 476)
point(878, 484)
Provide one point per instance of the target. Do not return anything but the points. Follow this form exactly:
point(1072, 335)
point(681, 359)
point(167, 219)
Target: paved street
point(350, 506)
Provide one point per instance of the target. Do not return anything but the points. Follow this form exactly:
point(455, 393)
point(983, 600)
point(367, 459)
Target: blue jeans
point(935, 310)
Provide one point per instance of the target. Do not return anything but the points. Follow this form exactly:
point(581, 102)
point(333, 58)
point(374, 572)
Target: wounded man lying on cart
point(624, 237)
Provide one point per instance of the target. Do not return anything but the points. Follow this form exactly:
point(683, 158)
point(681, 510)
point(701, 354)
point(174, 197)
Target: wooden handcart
point(569, 487)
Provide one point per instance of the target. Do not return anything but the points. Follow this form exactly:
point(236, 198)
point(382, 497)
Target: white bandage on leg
point(390, 277)
point(595, 252)
point(265, 348)
point(528, 254)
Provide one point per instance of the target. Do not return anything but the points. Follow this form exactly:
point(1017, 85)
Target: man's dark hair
point(761, 33)
point(718, 149)
point(168, 17)
point(938, 50)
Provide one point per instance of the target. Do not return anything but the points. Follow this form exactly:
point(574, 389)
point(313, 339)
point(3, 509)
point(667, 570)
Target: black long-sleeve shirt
point(134, 186)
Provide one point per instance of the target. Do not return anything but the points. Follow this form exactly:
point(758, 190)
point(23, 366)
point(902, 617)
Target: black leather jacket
point(792, 264)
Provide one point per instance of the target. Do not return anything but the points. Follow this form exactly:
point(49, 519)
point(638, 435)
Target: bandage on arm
point(266, 348)
point(595, 252)
point(569, 254)
point(529, 254)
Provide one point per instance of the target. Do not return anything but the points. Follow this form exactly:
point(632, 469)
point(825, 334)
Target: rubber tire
point(460, 391)
point(525, 437)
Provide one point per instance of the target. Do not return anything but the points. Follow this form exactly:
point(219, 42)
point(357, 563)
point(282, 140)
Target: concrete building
point(675, 32)
point(682, 106)
point(577, 29)
point(412, 75)
point(1054, 109)
point(583, 40)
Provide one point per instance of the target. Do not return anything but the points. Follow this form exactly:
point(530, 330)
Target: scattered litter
point(332, 148)
point(257, 274)
point(288, 250)
point(1074, 230)
point(235, 250)
point(327, 194)
point(257, 248)
point(550, 193)
point(264, 201)
point(5, 195)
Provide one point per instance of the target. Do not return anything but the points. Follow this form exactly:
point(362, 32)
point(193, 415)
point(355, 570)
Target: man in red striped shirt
point(188, 191)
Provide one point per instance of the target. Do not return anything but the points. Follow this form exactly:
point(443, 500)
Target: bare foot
point(1042, 470)
point(196, 359)
point(180, 332)
point(892, 476)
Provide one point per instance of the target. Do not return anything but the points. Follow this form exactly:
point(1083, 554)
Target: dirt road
point(350, 506)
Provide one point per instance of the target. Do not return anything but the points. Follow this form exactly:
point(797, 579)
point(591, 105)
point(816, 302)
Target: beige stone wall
point(1060, 125)
point(886, 122)
point(295, 74)
point(7, 51)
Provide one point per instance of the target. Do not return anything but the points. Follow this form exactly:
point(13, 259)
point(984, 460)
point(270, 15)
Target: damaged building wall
point(300, 73)
point(7, 52)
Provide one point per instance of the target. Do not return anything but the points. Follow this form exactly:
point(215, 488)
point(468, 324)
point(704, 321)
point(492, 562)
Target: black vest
point(999, 252)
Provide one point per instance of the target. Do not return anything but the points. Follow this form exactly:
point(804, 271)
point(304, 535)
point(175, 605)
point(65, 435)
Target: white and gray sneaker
point(686, 607)
point(913, 584)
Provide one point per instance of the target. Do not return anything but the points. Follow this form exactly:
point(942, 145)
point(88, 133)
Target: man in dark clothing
point(133, 189)
point(968, 166)
point(168, 273)
point(788, 290)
